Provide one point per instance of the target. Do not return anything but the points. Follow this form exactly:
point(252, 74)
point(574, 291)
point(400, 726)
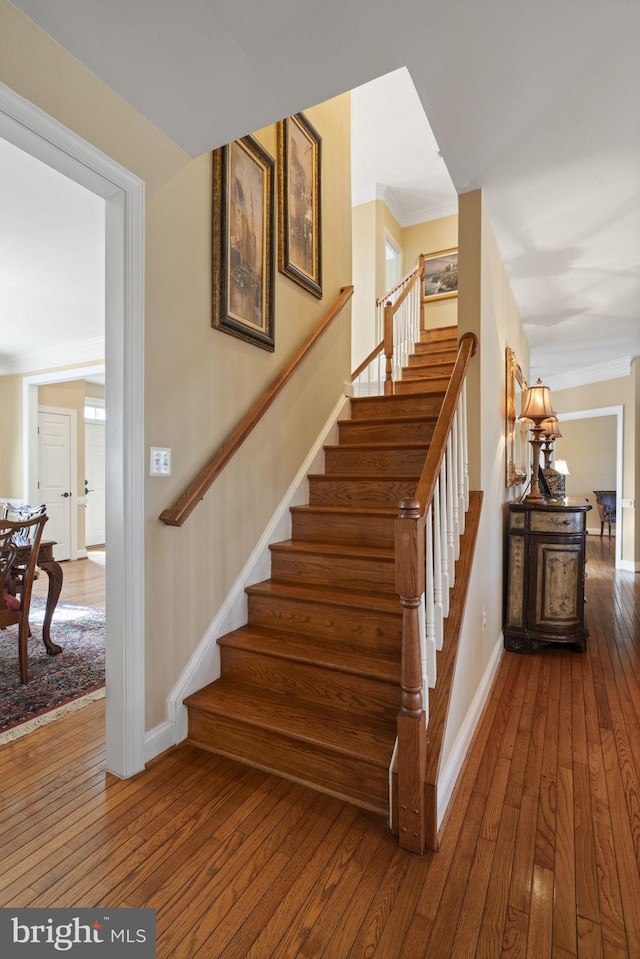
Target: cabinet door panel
point(557, 583)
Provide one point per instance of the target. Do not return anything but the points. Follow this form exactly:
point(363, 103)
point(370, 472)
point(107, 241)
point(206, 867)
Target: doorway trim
point(618, 412)
point(35, 132)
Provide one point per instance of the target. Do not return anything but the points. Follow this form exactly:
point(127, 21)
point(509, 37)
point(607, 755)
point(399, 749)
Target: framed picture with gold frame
point(299, 203)
point(242, 242)
point(440, 275)
point(515, 431)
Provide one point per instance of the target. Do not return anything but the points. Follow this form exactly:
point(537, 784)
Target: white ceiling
point(536, 103)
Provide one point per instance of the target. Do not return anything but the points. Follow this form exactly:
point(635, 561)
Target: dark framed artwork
point(440, 275)
point(299, 206)
point(243, 236)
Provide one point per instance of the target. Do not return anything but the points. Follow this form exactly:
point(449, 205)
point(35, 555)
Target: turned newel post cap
point(409, 507)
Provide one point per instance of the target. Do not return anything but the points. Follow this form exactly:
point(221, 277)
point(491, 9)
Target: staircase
point(310, 687)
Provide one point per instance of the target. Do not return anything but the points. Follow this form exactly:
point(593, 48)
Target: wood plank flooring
point(540, 859)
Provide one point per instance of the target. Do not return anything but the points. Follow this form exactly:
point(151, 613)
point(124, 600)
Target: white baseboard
point(629, 567)
point(158, 740)
point(453, 765)
point(204, 664)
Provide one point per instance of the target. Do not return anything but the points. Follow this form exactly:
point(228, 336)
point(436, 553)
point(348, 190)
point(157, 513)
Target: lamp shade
point(551, 428)
point(560, 466)
point(536, 405)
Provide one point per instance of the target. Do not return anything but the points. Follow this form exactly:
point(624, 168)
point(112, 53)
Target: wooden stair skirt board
point(310, 687)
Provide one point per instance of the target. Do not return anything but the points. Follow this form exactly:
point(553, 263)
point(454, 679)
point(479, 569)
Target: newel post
point(388, 348)
point(412, 742)
point(421, 260)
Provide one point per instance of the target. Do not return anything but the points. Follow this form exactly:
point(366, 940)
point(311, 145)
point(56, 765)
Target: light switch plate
point(160, 462)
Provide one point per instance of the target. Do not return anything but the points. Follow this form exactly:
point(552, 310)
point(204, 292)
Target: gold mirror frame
point(515, 432)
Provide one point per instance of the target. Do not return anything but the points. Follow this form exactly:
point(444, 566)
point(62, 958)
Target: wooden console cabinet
point(545, 577)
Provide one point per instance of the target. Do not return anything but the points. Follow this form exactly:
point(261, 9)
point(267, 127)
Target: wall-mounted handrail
point(427, 534)
point(178, 513)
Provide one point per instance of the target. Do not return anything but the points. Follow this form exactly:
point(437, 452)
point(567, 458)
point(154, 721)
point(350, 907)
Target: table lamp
point(536, 408)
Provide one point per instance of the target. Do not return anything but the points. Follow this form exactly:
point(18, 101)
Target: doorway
point(36, 133)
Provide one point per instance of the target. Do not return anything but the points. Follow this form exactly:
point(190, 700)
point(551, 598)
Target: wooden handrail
point(178, 513)
point(405, 279)
point(426, 484)
point(372, 355)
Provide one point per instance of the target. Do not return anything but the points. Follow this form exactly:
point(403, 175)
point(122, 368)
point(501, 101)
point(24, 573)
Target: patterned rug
point(57, 684)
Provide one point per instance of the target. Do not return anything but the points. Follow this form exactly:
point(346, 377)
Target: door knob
point(66, 494)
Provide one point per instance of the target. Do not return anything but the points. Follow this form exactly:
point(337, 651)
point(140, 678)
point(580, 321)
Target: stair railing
point(182, 508)
point(399, 321)
point(427, 543)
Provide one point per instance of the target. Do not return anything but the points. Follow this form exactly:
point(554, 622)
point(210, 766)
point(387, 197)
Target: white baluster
point(444, 552)
point(461, 508)
point(451, 553)
point(437, 567)
point(466, 446)
point(430, 609)
point(454, 486)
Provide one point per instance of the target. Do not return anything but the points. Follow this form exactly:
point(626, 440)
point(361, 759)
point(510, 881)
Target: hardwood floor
point(83, 580)
point(540, 857)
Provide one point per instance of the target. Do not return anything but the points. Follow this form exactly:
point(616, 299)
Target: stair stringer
point(203, 666)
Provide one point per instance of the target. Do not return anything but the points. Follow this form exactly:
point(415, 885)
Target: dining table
point(48, 564)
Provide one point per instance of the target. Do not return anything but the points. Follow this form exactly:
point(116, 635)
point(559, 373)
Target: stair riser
point(332, 623)
point(325, 491)
point(431, 366)
point(409, 431)
point(380, 406)
point(435, 350)
point(437, 380)
point(443, 336)
point(357, 781)
point(383, 461)
point(327, 687)
point(402, 387)
point(333, 571)
point(377, 531)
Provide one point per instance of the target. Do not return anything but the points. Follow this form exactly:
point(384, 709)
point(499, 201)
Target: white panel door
point(94, 446)
point(54, 478)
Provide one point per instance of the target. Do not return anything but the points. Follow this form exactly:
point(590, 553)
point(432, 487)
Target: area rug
point(57, 684)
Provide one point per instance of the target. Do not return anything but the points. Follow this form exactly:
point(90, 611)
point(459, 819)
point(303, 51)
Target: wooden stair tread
point(390, 420)
point(353, 599)
point(371, 511)
point(363, 477)
point(380, 663)
point(333, 549)
point(348, 734)
point(354, 447)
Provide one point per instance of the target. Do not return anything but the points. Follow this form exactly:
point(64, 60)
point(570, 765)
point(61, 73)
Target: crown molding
point(66, 354)
point(611, 370)
point(422, 215)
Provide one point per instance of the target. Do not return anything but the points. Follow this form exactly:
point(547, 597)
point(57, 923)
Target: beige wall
point(199, 381)
point(590, 447)
point(433, 237)
point(11, 481)
point(487, 308)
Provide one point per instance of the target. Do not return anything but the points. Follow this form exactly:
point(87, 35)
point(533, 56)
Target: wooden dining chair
point(14, 609)
point(22, 537)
